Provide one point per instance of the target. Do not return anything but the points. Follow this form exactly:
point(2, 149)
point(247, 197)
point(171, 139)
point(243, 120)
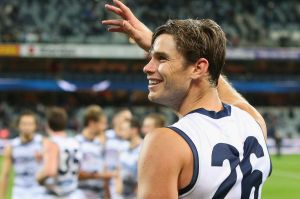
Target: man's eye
point(161, 58)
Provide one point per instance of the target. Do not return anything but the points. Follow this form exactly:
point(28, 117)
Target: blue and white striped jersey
point(25, 162)
point(129, 162)
point(92, 161)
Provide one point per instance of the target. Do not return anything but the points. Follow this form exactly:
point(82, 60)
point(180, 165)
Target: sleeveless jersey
point(92, 161)
point(70, 156)
point(113, 148)
point(25, 162)
point(231, 159)
point(129, 161)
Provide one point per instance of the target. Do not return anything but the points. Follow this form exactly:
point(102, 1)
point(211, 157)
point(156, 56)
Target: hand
point(107, 175)
point(129, 25)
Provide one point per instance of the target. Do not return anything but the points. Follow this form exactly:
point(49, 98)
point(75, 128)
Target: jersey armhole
point(193, 148)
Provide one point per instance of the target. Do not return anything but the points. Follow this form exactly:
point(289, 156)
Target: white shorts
point(28, 193)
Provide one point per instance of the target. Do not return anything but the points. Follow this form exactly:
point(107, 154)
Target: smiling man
point(206, 154)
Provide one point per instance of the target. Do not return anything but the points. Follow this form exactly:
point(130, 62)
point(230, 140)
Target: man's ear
point(200, 68)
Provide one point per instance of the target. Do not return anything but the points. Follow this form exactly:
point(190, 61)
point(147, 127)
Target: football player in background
point(23, 155)
point(61, 156)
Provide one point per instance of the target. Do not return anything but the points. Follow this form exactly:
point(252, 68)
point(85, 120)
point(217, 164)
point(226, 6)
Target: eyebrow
point(158, 53)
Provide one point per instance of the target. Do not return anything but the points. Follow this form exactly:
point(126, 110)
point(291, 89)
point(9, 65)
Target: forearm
point(88, 175)
point(95, 175)
point(119, 184)
point(107, 194)
point(230, 96)
point(3, 187)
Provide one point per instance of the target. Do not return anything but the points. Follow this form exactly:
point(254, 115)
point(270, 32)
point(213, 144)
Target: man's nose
point(150, 67)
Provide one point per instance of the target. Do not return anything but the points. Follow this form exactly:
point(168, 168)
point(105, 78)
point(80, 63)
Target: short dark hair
point(197, 39)
point(134, 123)
point(57, 119)
point(92, 113)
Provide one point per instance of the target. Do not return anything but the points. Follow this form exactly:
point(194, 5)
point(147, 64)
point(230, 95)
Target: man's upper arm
point(230, 96)
point(51, 158)
point(255, 114)
point(160, 164)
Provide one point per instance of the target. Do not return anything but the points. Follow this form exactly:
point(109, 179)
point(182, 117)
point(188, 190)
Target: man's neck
point(208, 99)
point(58, 133)
point(102, 138)
point(87, 134)
point(25, 140)
point(135, 141)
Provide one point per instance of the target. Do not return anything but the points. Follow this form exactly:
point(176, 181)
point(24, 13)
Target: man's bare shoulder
point(49, 145)
point(163, 136)
point(164, 143)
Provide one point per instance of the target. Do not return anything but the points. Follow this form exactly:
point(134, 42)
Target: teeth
point(153, 82)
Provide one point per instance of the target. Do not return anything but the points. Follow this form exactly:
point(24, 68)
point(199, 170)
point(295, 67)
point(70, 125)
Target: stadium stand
point(247, 23)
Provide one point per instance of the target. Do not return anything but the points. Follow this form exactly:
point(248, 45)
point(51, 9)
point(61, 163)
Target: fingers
point(123, 11)
point(113, 22)
point(115, 29)
point(115, 10)
point(116, 23)
point(123, 7)
point(128, 27)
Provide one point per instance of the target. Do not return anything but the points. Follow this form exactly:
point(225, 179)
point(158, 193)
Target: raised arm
point(5, 172)
point(128, 24)
point(229, 95)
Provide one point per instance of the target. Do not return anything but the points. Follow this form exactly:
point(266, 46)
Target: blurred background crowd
point(247, 23)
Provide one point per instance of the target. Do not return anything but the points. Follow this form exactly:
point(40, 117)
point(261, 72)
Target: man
point(127, 181)
point(23, 155)
point(114, 145)
point(153, 121)
point(61, 157)
point(93, 177)
point(206, 154)
point(120, 116)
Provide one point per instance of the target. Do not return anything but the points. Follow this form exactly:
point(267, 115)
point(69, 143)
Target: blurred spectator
point(127, 181)
point(153, 121)
point(247, 23)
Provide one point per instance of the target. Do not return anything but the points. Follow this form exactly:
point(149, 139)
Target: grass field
point(284, 182)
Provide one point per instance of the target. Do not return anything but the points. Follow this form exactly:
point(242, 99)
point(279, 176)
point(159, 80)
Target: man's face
point(98, 127)
point(125, 130)
point(169, 78)
point(102, 124)
point(27, 126)
point(148, 125)
point(120, 118)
